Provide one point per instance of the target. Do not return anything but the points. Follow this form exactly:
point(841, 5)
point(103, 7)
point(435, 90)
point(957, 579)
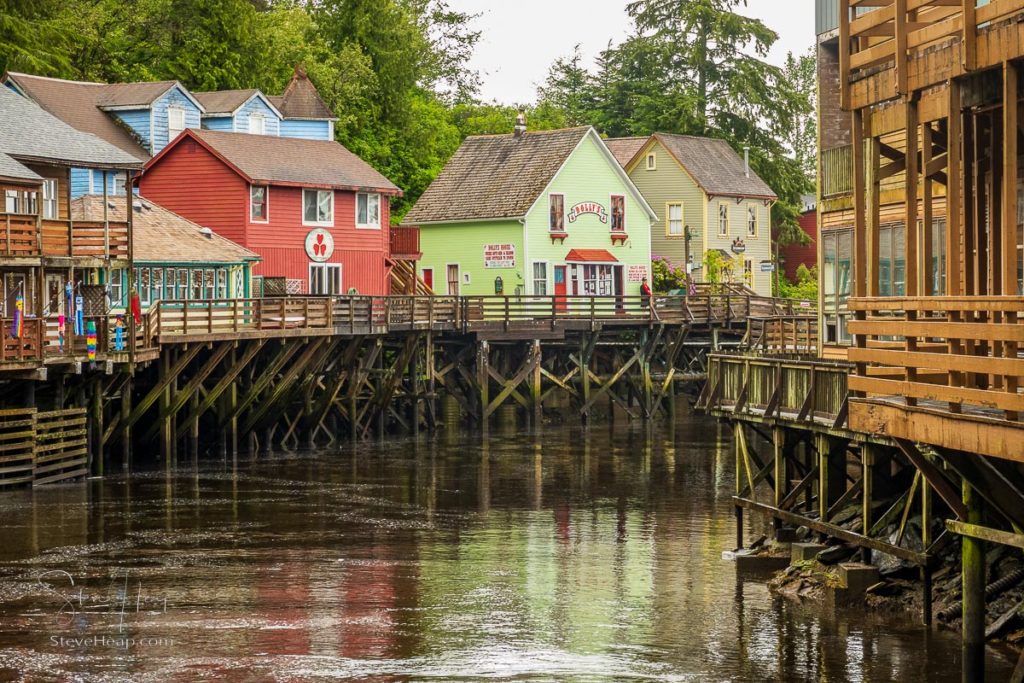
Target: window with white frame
point(11, 201)
point(30, 204)
point(540, 278)
point(318, 207)
point(367, 210)
point(50, 198)
point(175, 122)
point(598, 280)
point(120, 181)
point(618, 213)
point(752, 221)
point(116, 287)
point(674, 220)
point(325, 279)
point(222, 283)
point(652, 162)
point(258, 203)
point(723, 219)
point(257, 124)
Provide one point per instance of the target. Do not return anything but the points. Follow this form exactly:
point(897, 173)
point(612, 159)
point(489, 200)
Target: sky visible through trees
point(397, 75)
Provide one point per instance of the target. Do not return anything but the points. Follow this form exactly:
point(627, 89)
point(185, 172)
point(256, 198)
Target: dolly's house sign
point(319, 245)
point(588, 207)
point(738, 246)
point(499, 256)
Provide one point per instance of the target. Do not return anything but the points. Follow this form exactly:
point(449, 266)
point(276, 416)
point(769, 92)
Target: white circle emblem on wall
point(319, 245)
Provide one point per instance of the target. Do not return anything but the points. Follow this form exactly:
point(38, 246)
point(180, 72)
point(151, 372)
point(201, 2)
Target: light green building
point(706, 197)
point(547, 213)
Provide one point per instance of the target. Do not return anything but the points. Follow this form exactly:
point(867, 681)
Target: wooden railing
point(93, 239)
point(231, 316)
point(776, 388)
point(28, 346)
point(20, 235)
point(405, 242)
point(953, 351)
point(795, 335)
point(836, 171)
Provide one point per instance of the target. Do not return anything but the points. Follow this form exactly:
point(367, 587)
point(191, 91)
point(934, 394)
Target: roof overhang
point(24, 158)
point(590, 256)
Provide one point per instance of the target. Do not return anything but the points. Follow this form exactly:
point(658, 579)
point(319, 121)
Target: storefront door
point(561, 303)
point(620, 289)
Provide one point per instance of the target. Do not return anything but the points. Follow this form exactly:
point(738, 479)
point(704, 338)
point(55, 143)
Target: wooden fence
point(42, 447)
point(793, 335)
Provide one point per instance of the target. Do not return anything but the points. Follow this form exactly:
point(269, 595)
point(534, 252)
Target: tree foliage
point(396, 73)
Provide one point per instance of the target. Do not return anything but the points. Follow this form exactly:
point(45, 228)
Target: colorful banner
point(19, 317)
point(90, 340)
point(79, 315)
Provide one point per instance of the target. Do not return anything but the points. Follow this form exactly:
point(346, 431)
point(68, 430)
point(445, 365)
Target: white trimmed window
point(50, 198)
point(325, 279)
point(11, 202)
point(752, 221)
point(540, 278)
point(367, 210)
point(723, 219)
point(556, 218)
point(120, 180)
point(674, 220)
point(652, 162)
point(257, 124)
point(318, 207)
point(258, 206)
point(175, 122)
point(618, 213)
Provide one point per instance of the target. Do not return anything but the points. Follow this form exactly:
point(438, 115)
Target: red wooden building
point(792, 256)
point(316, 214)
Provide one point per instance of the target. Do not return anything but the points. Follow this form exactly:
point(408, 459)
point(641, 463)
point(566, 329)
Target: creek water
point(563, 554)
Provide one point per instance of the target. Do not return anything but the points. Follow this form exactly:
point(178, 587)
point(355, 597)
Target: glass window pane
point(828, 276)
point(324, 206)
point(374, 209)
point(844, 267)
point(361, 209)
point(309, 206)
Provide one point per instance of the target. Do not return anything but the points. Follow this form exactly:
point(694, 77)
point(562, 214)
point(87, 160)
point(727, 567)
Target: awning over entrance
point(590, 256)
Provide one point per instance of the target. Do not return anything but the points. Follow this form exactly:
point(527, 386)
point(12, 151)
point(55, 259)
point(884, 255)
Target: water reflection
point(563, 554)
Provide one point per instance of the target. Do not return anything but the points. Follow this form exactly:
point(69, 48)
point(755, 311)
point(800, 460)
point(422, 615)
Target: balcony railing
point(19, 237)
point(837, 172)
point(954, 354)
point(405, 243)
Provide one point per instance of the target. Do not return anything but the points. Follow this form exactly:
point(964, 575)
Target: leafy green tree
point(801, 72)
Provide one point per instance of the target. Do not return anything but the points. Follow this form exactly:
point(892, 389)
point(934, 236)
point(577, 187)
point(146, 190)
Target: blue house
point(142, 118)
point(138, 118)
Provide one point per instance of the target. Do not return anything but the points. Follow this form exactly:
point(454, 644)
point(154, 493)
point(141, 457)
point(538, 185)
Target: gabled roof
point(77, 104)
point(12, 170)
point(28, 133)
point(301, 100)
point(492, 177)
point(132, 95)
point(714, 165)
point(272, 160)
point(228, 102)
point(495, 176)
point(624, 149)
point(163, 236)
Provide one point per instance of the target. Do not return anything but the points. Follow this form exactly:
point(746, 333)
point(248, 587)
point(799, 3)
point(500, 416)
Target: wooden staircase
point(402, 276)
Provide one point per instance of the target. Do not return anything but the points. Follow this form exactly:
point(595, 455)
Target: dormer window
point(257, 124)
point(652, 162)
point(175, 122)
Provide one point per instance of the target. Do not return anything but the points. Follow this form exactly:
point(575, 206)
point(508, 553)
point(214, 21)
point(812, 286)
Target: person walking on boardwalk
point(645, 292)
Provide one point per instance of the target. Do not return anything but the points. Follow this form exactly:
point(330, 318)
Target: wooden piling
point(973, 563)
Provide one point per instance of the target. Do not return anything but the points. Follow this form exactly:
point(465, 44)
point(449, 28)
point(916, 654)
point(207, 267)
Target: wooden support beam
point(927, 209)
point(268, 374)
point(172, 373)
point(287, 383)
point(933, 476)
point(911, 188)
point(954, 191)
point(860, 260)
point(226, 382)
point(972, 551)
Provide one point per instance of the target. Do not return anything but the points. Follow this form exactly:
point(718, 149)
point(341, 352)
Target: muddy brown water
point(563, 555)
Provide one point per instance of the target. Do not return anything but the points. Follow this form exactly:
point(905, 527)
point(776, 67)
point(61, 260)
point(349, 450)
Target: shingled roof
point(624, 149)
point(227, 102)
point(301, 100)
point(495, 176)
point(160, 235)
point(80, 104)
point(715, 166)
point(12, 170)
point(29, 133)
point(287, 161)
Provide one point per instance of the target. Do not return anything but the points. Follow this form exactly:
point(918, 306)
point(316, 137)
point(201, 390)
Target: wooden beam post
point(535, 387)
point(860, 250)
point(126, 431)
point(483, 379)
point(973, 563)
point(928, 269)
point(913, 179)
point(1011, 74)
point(954, 190)
point(844, 54)
point(873, 215)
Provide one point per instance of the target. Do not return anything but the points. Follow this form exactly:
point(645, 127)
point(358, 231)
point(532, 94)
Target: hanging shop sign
point(636, 273)
point(767, 267)
point(584, 208)
point(319, 245)
point(499, 256)
point(738, 246)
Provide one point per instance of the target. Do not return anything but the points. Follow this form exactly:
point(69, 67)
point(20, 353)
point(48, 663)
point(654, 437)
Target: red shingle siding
point(202, 188)
point(794, 255)
point(195, 184)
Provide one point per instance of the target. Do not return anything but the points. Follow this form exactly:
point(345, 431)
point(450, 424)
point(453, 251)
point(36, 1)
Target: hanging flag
point(136, 308)
point(119, 334)
point(79, 315)
point(60, 331)
point(90, 340)
point(19, 315)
